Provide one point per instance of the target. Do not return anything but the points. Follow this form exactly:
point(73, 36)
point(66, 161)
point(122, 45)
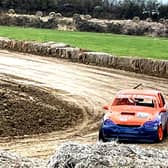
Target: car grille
point(131, 126)
point(127, 113)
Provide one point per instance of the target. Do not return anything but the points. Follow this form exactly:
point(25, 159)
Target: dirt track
point(87, 86)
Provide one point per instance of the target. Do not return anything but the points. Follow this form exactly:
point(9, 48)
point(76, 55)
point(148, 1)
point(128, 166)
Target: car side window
point(162, 103)
point(162, 99)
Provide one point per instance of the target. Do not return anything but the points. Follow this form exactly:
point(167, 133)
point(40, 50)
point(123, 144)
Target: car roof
point(139, 92)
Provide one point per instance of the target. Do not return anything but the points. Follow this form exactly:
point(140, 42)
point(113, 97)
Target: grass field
point(120, 45)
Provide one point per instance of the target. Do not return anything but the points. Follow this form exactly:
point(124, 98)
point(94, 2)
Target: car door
point(164, 114)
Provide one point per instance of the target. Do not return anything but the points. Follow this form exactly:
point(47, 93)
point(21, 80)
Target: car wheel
point(166, 130)
point(101, 136)
point(160, 134)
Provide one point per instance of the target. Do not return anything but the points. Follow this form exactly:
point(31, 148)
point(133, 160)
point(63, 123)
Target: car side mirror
point(106, 107)
point(163, 110)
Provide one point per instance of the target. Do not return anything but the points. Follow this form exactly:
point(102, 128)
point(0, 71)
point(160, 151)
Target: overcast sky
point(164, 1)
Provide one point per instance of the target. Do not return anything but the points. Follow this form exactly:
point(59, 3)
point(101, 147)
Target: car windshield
point(135, 100)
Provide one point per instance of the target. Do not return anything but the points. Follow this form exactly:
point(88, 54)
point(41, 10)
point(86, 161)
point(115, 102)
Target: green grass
point(120, 45)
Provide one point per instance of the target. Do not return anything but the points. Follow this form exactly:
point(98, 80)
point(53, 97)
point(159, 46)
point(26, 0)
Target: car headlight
point(151, 124)
point(108, 122)
point(105, 117)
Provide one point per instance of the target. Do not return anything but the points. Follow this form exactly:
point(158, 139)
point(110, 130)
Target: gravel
point(105, 155)
point(11, 160)
point(100, 155)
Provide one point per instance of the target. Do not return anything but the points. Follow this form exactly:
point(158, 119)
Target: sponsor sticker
point(125, 118)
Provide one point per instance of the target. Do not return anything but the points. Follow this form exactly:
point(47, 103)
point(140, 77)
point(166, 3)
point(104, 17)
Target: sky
point(164, 1)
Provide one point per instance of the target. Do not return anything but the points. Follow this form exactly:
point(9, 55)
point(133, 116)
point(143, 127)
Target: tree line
point(109, 9)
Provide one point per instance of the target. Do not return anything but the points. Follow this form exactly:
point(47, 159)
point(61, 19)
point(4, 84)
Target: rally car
point(135, 115)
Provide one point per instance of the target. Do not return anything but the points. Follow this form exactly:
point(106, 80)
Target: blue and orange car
point(135, 115)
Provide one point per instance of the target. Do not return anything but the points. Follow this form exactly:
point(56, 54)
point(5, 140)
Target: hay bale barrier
point(36, 21)
point(157, 68)
point(106, 155)
point(127, 27)
point(86, 23)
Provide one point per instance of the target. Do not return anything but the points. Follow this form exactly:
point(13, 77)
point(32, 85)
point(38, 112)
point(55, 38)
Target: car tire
point(160, 134)
point(166, 130)
point(101, 136)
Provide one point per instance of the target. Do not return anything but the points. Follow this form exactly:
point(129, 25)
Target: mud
point(28, 110)
point(89, 87)
point(157, 68)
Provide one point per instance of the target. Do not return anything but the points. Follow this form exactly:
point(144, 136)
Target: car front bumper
point(141, 133)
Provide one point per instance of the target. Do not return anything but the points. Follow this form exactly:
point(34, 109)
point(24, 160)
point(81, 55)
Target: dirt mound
point(107, 155)
point(101, 155)
point(27, 110)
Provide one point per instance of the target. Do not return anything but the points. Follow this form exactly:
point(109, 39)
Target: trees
point(163, 11)
point(127, 9)
point(116, 9)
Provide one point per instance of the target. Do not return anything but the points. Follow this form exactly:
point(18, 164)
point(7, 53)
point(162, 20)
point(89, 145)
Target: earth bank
point(28, 110)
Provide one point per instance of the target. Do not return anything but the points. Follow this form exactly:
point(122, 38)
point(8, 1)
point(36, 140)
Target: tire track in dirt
point(88, 86)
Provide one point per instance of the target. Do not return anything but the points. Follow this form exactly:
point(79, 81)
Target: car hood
point(132, 115)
